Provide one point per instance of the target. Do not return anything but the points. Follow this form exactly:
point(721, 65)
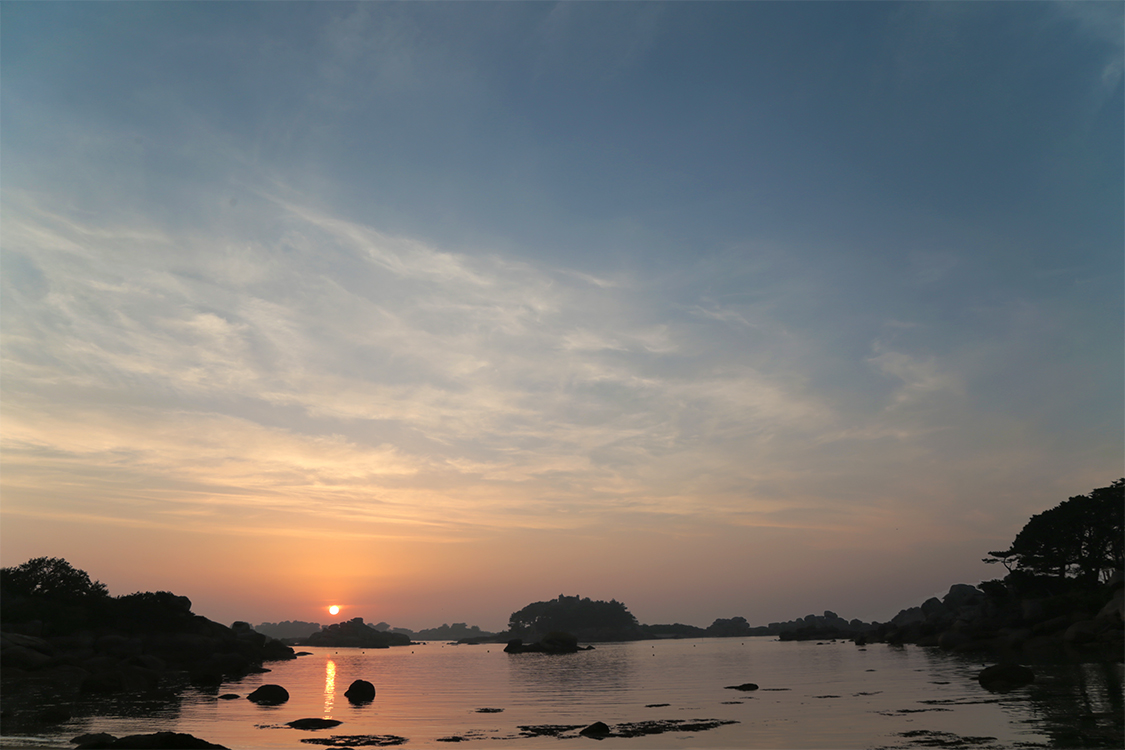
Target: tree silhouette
point(51, 578)
point(1080, 538)
point(570, 613)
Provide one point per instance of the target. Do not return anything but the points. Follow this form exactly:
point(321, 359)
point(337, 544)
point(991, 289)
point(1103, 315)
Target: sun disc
point(333, 610)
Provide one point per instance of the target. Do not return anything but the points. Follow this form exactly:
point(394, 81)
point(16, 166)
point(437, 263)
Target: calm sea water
point(829, 695)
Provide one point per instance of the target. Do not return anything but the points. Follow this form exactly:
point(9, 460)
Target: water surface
point(826, 695)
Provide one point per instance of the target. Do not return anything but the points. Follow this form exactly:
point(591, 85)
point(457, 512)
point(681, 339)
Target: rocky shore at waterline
point(1076, 623)
point(56, 652)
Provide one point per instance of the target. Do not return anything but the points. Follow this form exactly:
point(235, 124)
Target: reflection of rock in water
point(930, 738)
point(629, 729)
point(357, 740)
point(1081, 704)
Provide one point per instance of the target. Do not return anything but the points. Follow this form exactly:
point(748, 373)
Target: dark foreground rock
point(57, 653)
point(597, 729)
point(314, 723)
point(269, 695)
point(360, 691)
point(156, 741)
point(746, 686)
point(1001, 678)
point(1029, 620)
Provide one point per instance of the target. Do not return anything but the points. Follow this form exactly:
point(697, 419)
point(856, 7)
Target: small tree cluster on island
point(588, 618)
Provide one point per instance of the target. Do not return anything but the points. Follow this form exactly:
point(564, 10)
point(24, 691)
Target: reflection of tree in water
point(1080, 705)
point(558, 675)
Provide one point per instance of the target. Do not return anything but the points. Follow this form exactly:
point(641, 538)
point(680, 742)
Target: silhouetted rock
point(597, 729)
point(552, 643)
point(1004, 677)
point(360, 691)
point(269, 695)
point(746, 686)
point(314, 723)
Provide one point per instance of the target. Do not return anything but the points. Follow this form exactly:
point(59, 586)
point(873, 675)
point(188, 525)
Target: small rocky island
point(355, 633)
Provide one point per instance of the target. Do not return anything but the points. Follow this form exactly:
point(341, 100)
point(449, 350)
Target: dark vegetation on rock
point(1061, 599)
point(64, 637)
point(355, 633)
point(585, 618)
point(288, 629)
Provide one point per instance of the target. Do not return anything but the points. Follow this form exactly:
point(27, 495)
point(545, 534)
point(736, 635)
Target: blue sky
point(715, 308)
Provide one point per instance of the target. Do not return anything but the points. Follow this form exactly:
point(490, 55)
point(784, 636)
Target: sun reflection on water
point(329, 688)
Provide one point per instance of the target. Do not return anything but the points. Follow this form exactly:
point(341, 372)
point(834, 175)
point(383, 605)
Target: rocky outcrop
point(1079, 622)
point(355, 633)
point(815, 627)
point(148, 645)
point(552, 643)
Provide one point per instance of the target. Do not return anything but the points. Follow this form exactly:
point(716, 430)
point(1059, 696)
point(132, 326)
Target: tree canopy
point(1080, 538)
point(570, 614)
point(51, 578)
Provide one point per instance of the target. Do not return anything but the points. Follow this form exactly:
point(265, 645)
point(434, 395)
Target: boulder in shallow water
point(597, 729)
point(314, 723)
point(744, 686)
point(1003, 677)
point(269, 695)
point(360, 691)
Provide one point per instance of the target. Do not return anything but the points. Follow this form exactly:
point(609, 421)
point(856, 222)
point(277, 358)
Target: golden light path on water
point(329, 688)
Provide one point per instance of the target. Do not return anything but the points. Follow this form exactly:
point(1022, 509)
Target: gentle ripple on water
point(829, 695)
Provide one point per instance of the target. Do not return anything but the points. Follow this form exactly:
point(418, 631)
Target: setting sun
point(333, 610)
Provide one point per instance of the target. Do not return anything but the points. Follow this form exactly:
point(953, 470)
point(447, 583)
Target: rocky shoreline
point(148, 644)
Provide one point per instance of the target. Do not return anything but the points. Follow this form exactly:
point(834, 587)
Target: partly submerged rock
point(743, 686)
point(269, 695)
point(556, 642)
point(1003, 677)
point(597, 729)
point(360, 691)
point(314, 723)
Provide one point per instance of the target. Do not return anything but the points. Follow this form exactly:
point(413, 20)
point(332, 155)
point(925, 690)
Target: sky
point(433, 310)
